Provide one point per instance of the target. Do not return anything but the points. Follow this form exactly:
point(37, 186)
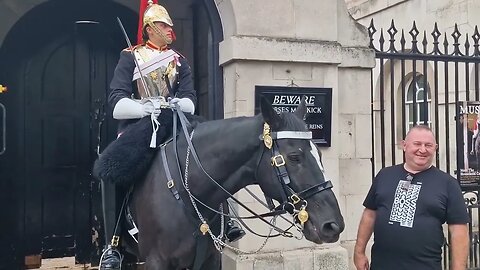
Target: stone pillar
point(311, 44)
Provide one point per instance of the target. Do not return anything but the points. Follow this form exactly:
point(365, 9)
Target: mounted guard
point(149, 79)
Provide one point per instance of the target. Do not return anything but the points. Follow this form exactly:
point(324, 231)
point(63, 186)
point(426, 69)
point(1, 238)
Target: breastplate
point(156, 79)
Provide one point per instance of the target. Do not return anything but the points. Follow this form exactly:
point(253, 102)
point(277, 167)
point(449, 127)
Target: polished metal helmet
point(156, 13)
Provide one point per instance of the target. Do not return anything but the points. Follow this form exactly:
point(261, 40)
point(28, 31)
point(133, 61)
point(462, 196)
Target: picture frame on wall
point(468, 144)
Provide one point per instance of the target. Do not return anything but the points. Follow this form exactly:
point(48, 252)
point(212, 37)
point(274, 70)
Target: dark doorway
point(57, 79)
point(57, 62)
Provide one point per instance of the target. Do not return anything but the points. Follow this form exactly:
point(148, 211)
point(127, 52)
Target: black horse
point(272, 150)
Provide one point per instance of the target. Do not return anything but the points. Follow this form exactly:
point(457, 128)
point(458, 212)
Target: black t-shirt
point(409, 216)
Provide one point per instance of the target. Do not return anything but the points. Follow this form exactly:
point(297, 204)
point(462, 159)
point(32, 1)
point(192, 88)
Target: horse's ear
point(301, 111)
point(269, 114)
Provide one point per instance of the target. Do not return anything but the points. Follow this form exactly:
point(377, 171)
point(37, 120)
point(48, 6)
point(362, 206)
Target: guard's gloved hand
point(185, 104)
point(127, 108)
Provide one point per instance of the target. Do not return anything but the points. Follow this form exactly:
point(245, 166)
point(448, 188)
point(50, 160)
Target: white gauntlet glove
point(127, 108)
point(185, 104)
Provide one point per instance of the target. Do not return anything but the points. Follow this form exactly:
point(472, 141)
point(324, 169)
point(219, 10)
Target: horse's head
point(290, 171)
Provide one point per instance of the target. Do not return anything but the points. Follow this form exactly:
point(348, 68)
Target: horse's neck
point(229, 143)
point(231, 148)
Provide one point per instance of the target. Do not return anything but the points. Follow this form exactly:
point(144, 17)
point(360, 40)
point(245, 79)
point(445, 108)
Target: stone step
point(67, 263)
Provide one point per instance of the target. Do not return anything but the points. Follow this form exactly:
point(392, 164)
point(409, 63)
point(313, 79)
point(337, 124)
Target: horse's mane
point(289, 121)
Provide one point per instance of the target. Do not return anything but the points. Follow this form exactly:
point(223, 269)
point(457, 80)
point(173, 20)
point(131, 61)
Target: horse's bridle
point(292, 198)
point(293, 202)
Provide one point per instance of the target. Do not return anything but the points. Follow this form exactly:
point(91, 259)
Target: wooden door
point(57, 149)
point(65, 117)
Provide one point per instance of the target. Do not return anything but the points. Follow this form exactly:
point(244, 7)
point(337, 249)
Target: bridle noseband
point(293, 202)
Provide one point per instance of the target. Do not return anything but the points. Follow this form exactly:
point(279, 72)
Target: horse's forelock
point(292, 123)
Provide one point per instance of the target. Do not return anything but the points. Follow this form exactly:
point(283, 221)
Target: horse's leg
point(213, 262)
point(153, 262)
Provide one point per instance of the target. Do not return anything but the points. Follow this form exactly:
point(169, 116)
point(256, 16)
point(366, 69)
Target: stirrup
point(111, 259)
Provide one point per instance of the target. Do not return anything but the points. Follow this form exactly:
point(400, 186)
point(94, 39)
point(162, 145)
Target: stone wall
point(298, 46)
point(308, 43)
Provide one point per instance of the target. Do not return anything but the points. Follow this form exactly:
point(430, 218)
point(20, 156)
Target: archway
point(57, 78)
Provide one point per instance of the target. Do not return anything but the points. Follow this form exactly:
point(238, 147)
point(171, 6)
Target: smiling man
point(406, 207)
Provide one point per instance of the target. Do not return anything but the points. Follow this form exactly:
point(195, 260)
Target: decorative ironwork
point(467, 45)
point(414, 32)
point(456, 45)
point(371, 31)
point(476, 38)
point(442, 60)
point(403, 41)
point(424, 42)
point(436, 35)
point(382, 40)
point(392, 31)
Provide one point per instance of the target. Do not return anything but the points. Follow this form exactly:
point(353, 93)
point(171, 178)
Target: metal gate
point(419, 78)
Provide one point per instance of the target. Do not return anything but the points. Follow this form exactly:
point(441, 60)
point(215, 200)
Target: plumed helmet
point(156, 13)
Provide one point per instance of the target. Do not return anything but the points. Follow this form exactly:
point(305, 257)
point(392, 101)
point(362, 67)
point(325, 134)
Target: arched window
point(421, 112)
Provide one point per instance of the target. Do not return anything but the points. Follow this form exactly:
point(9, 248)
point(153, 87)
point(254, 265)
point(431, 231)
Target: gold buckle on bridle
point(295, 199)
point(115, 241)
point(278, 160)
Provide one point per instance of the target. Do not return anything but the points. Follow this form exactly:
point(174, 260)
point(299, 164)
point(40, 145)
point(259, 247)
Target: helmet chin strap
point(162, 35)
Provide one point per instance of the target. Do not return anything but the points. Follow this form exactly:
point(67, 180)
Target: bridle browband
point(293, 202)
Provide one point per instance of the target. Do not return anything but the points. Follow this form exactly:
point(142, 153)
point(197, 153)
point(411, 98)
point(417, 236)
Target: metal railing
point(420, 82)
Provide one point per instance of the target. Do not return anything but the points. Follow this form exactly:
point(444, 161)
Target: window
point(421, 112)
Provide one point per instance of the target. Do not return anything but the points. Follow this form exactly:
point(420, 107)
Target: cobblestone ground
point(67, 263)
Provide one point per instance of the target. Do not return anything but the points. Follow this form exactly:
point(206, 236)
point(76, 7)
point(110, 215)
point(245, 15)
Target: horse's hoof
point(233, 232)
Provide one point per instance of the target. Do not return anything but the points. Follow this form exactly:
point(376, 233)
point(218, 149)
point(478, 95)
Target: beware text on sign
point(319, 107)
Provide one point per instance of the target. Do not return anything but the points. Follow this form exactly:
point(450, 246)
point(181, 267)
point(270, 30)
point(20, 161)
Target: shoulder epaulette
point(129, 49)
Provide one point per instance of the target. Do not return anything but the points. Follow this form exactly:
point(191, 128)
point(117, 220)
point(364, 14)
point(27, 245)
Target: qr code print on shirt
point(405, 203)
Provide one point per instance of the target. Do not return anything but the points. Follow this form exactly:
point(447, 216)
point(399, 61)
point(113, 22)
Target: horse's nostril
point(331, 227)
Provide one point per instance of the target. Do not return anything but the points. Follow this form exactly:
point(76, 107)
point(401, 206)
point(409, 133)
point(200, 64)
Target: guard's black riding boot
point(111, 259)
point(233, 232)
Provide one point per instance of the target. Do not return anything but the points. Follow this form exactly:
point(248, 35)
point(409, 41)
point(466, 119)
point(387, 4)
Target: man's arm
point(184, 87)
point(121, 84)
point(459, 246)
point(365, 230)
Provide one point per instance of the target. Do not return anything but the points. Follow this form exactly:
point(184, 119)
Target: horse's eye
point(295, 156)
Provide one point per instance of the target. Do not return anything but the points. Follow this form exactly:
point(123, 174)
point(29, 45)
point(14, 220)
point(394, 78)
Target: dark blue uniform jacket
point(122, 86)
